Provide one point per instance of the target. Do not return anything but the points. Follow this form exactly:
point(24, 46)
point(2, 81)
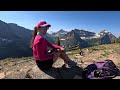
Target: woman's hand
point(62, 49)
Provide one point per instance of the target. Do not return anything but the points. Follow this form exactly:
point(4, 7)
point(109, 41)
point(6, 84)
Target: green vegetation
point(93, 42)
point(55, 39)
point(117, 40)
point(114, 48)
point(58, 41)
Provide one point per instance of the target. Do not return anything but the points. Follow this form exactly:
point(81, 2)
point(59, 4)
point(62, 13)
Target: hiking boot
point(70, 64)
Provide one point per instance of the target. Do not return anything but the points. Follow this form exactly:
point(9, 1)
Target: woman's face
point(43, 30)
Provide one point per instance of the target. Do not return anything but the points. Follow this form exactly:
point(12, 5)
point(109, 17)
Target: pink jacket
point(40, 47)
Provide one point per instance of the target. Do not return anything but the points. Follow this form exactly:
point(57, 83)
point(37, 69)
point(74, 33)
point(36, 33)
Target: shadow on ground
point(68, 73)
point(118, 74)
point(65, 73)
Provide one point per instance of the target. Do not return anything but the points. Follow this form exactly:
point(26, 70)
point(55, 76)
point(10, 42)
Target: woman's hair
point(34, 33)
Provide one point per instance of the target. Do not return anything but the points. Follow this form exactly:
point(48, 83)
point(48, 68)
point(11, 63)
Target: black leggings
point(45, 65)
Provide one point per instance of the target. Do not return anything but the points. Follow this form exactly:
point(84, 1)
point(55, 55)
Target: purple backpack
point(100, 70)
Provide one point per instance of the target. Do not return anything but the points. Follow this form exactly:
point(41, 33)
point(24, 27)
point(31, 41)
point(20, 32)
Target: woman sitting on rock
point(39, 46)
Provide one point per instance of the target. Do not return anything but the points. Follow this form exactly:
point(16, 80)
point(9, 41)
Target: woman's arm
point(53, 45)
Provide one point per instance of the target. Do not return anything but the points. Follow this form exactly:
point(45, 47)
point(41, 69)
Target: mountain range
point(15, 39)
point(84, 38)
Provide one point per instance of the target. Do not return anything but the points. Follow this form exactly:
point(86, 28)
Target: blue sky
point(94, 21)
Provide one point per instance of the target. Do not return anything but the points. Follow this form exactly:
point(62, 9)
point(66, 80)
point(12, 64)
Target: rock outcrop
point(27, 69)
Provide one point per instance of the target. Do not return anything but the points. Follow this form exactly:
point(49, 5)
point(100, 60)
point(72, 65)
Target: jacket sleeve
point(53, 45)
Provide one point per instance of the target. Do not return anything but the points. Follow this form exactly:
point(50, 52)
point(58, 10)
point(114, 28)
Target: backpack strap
point(99, 64)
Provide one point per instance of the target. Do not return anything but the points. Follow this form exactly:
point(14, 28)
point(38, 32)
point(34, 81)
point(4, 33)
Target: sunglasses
point(45, 28)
